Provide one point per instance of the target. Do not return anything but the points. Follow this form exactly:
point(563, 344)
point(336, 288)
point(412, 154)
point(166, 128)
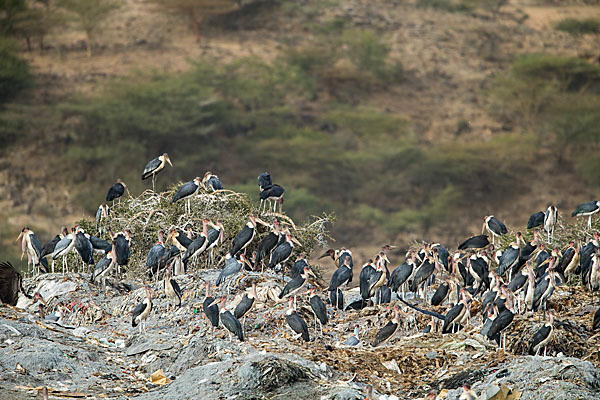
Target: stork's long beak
point(214, 303)
point(483, 228)
point(248, 263)
point(296, 241)
point(392, 247)
point(169, 161)
point(20, 236)
point(260, 221)
point(326, 254)
point(169, 237)
point(312, 273)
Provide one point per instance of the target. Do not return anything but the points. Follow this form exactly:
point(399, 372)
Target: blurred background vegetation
point(342, 105)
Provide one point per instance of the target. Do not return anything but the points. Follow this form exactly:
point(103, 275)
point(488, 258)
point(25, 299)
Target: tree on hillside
point(89, 15)
point(196, 10)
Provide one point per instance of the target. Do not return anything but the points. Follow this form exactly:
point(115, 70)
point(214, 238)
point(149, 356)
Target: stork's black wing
point(150, 168)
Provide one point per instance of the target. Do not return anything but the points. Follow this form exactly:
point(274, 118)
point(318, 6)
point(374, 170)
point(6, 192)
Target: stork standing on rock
point(542, 337)
point(31, 245)
point(142, 311)
point(155, 166)
point(388, 330)
point(172, 289)
point(246, 305)
point(296, 284)
point(104, 266)
point(49, 246)
point(63, 248)
point(283, 252)
point(319, 309)
point(210, 308)
point(102, 214)
point(231, 323)
point(295, 321)
point(340, 278)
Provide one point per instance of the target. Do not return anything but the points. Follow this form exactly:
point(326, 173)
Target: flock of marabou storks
point(519, 279)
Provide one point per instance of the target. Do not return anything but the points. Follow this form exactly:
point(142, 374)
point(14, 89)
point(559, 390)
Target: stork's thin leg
point(153, 176)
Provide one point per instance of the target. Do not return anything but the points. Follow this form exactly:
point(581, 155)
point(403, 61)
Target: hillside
point(409, 120)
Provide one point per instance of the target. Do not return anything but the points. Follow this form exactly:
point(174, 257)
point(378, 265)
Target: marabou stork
point(339, 256)
point(365, 276)
point(519, 282)
point(198, 245)
point(296, 284)
point(298, 266)
point(388, 330)
point(172, 289)
point(268, 243)
point(210, 308)
point(509, 259)
point(541, 261)
point(457, 314)
point(232, 267)
point(102, 213)
point(31, 245)
point(499, 325)
point(443, 255)
point(63, 248)
point(179, 240)
point(340, 278)
point(244, 237)
point(186, 191)
point(422, 275)
point(295, 321)
point(211, 182)
point(155, 166)
point(99, 245)
point(494, 226)
point(264, 181)
point(319, 309)
point(141, 312)
point(544, 288)
point(441, 294)
point(155, 254)
point(273, 193)
point(401, 274)
point(122, 248)
point(214, 236)
point(231, 323)
point(377, 279)
point(282, 252)
point(569, 260)
point(353, 340)
point(48, 248)
point(550, 219)
point(587, 210)
point(104, 266)
point(492, 313)
point(475, 242)
point(530, 290)
point(536, 220)
point(246, 305)
point(116, 191)
point(84, 247)
point(542, 337)
point(596, 321)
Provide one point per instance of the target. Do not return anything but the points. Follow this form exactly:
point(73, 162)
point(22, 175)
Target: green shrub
point(578, 27)
point(14, 72)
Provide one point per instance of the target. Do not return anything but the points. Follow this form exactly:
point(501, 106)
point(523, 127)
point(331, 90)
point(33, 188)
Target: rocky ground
point(94, 352)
